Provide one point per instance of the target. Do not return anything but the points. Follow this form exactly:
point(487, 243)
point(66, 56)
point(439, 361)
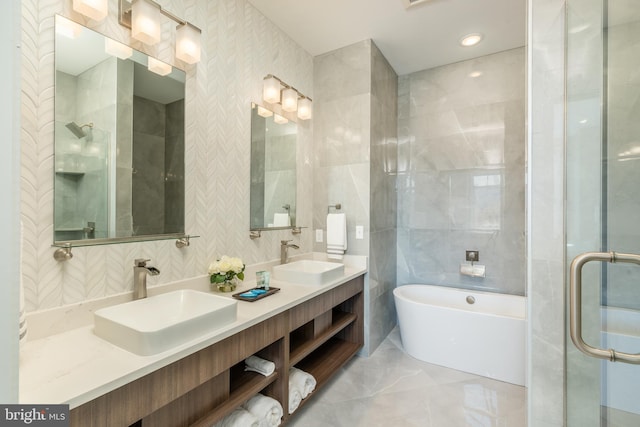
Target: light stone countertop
point(75, 366)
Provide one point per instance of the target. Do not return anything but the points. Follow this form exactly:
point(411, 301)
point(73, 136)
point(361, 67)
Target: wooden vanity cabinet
point(318, 336)
point(327, 331)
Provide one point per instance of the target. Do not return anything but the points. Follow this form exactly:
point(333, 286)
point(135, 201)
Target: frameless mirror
point(119, 142)
point(273, 171)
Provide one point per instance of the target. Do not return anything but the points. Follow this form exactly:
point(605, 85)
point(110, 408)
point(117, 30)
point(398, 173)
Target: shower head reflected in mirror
point(78, 130)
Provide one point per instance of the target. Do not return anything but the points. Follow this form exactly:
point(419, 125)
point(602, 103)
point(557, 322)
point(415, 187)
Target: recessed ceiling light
point(475, 74)
point(471, 39)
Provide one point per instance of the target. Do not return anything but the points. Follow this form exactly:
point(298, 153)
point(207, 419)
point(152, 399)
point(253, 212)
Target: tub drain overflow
point(470, 299)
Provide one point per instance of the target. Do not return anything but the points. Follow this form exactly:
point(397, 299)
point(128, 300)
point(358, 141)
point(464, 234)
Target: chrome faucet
point(140, 271)
point(284, 250)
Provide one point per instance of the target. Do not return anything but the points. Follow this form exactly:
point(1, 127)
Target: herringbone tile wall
point(240, 46)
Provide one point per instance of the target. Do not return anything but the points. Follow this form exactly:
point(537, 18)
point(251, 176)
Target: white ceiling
point(421, 37)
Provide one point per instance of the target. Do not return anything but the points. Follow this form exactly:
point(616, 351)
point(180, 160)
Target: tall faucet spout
point(284, 250)
point(140, 272)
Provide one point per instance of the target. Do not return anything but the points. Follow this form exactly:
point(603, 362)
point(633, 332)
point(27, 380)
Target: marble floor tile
point(391, 388)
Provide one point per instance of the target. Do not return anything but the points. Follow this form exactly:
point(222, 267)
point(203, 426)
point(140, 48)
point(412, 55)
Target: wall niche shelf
point(72, 174)
point(318, 336)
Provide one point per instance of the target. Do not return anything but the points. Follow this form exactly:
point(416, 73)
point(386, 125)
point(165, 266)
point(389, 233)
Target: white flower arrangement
point(225, 269)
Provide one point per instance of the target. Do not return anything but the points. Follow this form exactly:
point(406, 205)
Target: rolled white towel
point(261, 366)
point(240, 417)
point(302, 380)
point(295, 397)
point(266, 409)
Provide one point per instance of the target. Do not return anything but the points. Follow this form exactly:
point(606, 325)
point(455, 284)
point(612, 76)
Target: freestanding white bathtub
point(482, 333)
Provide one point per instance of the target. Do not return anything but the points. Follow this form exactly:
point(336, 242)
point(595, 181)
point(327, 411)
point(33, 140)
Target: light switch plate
point(319, 236)
point(359, 232)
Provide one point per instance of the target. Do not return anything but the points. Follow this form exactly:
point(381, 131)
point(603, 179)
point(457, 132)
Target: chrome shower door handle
point(575, 305)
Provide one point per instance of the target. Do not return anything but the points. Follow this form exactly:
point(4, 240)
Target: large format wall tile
point(546, 163)
point(356, 160)
point(461, 145)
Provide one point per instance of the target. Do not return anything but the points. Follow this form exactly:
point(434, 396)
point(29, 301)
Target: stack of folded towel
point(266, 409)
point(261, 366)
point(240, 417)
point(301, 384)
point(259, 411)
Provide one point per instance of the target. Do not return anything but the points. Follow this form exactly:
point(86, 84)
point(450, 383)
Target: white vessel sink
point(308, 272)
point(155, 324)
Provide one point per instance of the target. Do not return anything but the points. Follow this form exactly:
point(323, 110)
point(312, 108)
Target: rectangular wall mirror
point(119, 142)
point(273, 171)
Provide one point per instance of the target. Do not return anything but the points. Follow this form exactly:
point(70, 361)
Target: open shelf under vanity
point(318, 336)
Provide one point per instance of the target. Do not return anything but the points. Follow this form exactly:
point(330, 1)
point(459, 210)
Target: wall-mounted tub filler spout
point(140, 271)
point(472, 256)
point(470, 268)
point(284, 250)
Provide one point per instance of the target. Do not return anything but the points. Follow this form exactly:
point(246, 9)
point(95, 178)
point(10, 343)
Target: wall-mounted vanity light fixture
point(263, 112)
point(68, 29)
point(277, 118)
point(275, 91)
point(143, 18)
point(94, 9)
point(117, 49)
point(158, 67)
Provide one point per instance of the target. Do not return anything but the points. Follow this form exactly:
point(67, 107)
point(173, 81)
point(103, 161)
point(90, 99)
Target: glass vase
point(226, 286)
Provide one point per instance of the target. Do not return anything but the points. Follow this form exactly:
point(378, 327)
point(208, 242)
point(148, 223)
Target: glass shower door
point(603, 210)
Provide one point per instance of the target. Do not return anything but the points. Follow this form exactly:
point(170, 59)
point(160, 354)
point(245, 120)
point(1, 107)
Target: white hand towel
point(295, 397)
point(281, 220)
point(336, 235)
point(335, 253)
point(261, 366)
point(302, 380)
point(266, 409)
point(240, 417)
